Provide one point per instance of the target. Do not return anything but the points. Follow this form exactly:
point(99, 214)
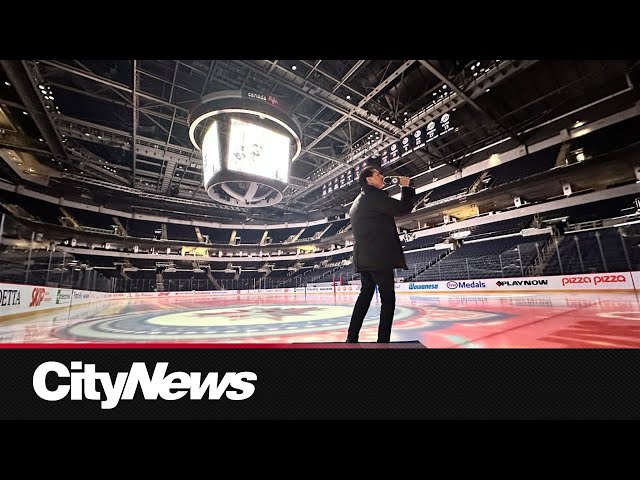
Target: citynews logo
point(517, 283)
point(597, 279)
point(83, 379)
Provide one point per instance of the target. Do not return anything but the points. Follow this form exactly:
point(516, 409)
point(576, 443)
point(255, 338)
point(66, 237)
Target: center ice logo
point(224, 323)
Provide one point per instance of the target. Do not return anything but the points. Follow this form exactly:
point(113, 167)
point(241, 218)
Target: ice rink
point(526, 320)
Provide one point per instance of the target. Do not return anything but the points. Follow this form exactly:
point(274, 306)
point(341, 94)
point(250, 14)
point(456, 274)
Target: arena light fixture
point(248, 142)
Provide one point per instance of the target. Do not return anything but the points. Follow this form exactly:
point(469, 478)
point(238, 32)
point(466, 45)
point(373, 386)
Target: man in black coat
point(377, 249)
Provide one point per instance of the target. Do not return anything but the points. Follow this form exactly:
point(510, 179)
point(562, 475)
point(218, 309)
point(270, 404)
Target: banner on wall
point(16, 299)
point(600, 281)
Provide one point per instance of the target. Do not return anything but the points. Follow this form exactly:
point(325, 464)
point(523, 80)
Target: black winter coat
point(377, 246)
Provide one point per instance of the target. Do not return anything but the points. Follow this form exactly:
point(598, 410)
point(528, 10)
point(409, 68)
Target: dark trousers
point(386, 287)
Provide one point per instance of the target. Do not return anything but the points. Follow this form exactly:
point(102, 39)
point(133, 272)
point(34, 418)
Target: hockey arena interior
point(116, 228)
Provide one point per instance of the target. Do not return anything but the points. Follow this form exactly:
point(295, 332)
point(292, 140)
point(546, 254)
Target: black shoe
point(350, 340)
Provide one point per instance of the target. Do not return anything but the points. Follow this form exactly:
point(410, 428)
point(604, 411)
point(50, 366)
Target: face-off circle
point(250, 322)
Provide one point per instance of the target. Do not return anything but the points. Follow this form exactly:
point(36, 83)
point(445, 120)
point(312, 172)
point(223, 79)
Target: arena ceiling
point(116, 132)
